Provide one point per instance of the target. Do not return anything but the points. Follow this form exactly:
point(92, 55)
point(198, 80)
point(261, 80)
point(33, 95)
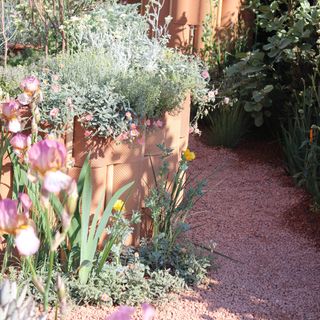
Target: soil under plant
point(253, 212)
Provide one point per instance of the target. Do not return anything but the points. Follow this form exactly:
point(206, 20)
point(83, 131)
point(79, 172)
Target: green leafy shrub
point(286, 49)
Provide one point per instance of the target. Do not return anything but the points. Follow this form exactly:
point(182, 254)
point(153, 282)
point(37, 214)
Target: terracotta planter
point(204, 10)
point(113, 166)
point(103, 151)
point(168, 135)
point(185, 11)
point(176, 126)
point(6, 181)
point(181, 36)
point(153, 163)
point(146, 229)
point(230, 12)
point(185, 125)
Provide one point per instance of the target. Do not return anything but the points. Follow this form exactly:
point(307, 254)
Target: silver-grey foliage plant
point(15, 305)
point(114, 67)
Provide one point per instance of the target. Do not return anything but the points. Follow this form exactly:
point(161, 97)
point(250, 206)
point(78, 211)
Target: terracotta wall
point(188, 17)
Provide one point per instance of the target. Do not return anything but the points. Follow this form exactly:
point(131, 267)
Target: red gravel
point(256, 215)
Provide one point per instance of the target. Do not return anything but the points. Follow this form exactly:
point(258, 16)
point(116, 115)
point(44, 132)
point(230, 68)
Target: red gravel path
point(256, 215)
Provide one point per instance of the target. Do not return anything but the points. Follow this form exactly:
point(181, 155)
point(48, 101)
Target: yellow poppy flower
point(119, 206)
point(190, 156)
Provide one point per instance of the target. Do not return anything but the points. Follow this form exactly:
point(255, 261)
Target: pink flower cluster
point(10, 111)
point(156, 123)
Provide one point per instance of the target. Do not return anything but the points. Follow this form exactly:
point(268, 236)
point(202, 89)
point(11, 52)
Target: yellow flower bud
point(119, 206)
point(189, 156)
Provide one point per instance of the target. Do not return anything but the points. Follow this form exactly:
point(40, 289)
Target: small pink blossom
point(12, 222)
point(87, 133)
point(148, 122)
point(134, 133)
point(88, 117)
point(54, 112)
point(191, 130)
point(123, 136)
point(226, 100)
point(211, 95)
point(55, 88)
point(133, 126)
point(159, 123)
point(197, 131)
point(30, 85)
point(125, 313)
point(205, 74)
point(128, 115)
point(69, 101)
point(141, 140)
point(55, 77)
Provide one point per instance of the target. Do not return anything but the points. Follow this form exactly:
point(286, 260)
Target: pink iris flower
point(20, 143)
point(18, 224)
point(125, 313)
point(27, 241)
point(148, 311)
point(26, 203)
point(47, 160)
point(11, 114)
point(30, 85)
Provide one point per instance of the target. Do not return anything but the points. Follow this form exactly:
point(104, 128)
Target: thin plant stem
point(50, 266)
point(4, 35)
point(49, 278)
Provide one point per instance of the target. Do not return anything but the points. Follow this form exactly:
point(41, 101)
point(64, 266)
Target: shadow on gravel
point(302, 220)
